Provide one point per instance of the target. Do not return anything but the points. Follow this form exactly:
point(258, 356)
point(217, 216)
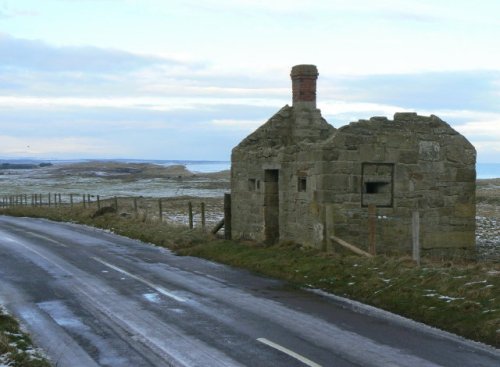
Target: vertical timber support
point(190, 213)
point(372, 217)
point(227, 216)
point(160, 210)
point(329, 229)
point(203, 216)
point(415, 231)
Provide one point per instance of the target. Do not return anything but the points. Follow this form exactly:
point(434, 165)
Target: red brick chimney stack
point(304, 85)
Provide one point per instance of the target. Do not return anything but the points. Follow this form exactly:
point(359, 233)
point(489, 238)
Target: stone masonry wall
point(411, 163)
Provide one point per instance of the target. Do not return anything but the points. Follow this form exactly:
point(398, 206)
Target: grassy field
point(461, 297)
point(16, 348)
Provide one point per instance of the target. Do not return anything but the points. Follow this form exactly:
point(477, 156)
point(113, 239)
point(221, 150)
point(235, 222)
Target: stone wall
point(411, 163)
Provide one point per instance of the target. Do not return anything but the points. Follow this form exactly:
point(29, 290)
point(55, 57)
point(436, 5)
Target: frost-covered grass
point(460, 297)
point(16, 348)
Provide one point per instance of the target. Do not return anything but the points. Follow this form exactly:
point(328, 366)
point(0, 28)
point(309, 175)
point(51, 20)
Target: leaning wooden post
point(227, 216)
point(98, 202)
point(190, 212)
point(160, 210)
point(202, 215)
point(415, 231)
point(372, 211)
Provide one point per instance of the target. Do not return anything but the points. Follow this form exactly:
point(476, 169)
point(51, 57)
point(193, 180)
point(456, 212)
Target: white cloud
point(56, 147)
point(246, 125)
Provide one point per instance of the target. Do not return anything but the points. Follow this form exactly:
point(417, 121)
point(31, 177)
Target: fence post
point(98, 202)
point(227, 216)
point(190, 212)
point(202, 215)
point(372, 211)
point(60, 200)
point(415, 231)
point(71, 200)
point(83, 200)
point(116, 204)
point(50, 199)
point(329, 228)
point(160, 209)
point(88, 200)
point(135, 206)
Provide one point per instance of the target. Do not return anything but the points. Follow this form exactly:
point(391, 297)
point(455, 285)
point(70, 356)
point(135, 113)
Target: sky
point(188, 80)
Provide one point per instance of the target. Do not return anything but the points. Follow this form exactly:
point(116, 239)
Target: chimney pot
point(304, 85)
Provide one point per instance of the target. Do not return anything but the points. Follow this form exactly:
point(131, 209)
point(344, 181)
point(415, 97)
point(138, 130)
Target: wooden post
point(160, 210)
point(98, 202)
point(329, 244)
point(116, 204)
point(50, 199)
point(203, 215)
point(227, 216)
point(135, 206)
point(88, 200)
point(372, 211)
point(83, 201)
point(190, 213)
point(55, 199)
point(71, 200)
point(60, 200)
point(415, 231)
point(26, 199)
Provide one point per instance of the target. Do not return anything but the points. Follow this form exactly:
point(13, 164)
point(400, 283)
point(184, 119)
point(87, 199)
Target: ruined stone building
point(298, 178)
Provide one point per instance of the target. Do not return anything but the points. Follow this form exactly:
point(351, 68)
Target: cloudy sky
point(188, 79)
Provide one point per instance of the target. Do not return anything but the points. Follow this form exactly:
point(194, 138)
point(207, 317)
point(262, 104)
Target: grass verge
point(16, 348)
point(460, 297)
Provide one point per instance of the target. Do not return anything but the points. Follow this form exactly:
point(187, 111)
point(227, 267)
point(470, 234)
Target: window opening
point(302, 184)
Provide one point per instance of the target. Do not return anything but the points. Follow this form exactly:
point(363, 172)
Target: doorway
point(271, 206)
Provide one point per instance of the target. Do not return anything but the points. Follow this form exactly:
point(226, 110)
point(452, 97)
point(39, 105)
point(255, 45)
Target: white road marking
point(46, 238)
point(142, 280)
point(291, 353)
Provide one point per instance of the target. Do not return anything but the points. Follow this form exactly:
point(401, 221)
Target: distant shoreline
point(483, 170)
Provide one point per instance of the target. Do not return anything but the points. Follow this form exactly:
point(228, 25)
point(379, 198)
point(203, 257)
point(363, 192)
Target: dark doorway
point(271, 206)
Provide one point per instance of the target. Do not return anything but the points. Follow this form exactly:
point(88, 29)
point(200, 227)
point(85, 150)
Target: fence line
point(88, 201)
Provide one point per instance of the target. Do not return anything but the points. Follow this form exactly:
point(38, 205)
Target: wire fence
point(190, 211)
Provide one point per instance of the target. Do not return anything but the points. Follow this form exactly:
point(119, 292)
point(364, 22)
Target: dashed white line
point(291, 353)
point(142, 280)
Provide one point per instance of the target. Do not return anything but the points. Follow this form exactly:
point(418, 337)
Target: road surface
point(92, 298)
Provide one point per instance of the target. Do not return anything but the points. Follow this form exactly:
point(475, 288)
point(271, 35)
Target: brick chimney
point(304, 85)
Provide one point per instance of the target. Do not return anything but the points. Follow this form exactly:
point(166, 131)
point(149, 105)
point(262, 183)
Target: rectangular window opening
point(251, 184)
point(302, 184)
point(376, 187)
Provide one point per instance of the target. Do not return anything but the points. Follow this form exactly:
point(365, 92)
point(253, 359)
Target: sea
point(483, 170)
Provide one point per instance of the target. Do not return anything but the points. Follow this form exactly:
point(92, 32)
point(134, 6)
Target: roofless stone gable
point(289, 126)
point(297, 178)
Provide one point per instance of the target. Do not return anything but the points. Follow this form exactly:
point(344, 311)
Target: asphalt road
point(91, 298)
